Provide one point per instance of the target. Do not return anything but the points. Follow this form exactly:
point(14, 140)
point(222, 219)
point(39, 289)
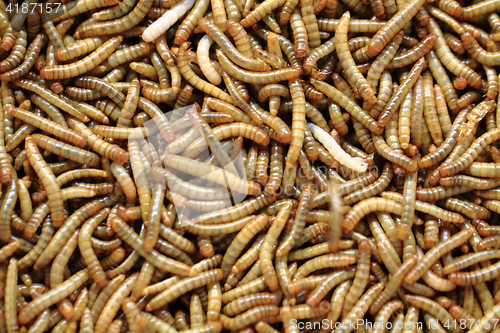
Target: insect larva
point(132, 313)
point(474, 277)
point(403, 89)
point(433, 308)
point(214, 302)
point(256, 77)
point(356, 79)
point(388, 310)
point(157, 259)
point(473, 258)
point(114, 12)
point(61, 260)
point(112, 300)
point(321, 286)
point(11, 321)
point(196, 314)
point(433, 254)
point(393, 284)
point(337, 152)
point(271, 238)
point(466, 208)
point(144, 69)
point(346, 103)
point(409, 194)
point(190, 22)
point(83, 65)
point(77, 49)
point(49, 181)
point(203, 60)
point(309, 19)
point(396, 23)
point(337, 300)
point(240, 241)
point(478, 9)
point(299, 34)
point(336, 217)
point(382, 60)
point(29, 59)
point(65, 150)
point(85, 245)
point(214, 230)
point(410, 56)
point(52, 98)
point(237, 184)
point(454, 65)
point(100, 85)
point(17, 53)
point(466, 159)
point(196, 81)
point(119, 25)
point(65, 231)
point(451, 7)
point(360, 279)
point(243, 304)
point(251, 316)
point(361, 307)
point(184, 286)
point(159, 287)
point(53, 296)
point(232, 53)
point(167, 20)
point(298, 226)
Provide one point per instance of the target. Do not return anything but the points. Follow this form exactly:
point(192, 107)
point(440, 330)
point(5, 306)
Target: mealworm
point(452, 64)
point(433, 308)
point(240, 241)
point(204, 62)
point(195, 80)
point(114, 297)
point(393, 284)
point(17, 53)
point(321, 287)
point(256, 77)
point(86, 64)
point(48, 179)
point(466, 159)
point(348, 64)
point(29, 59)
point(361, 278)
point(409, 194)
point(402, 90)
point(167, 20)
point(184, 286)
point(343, 101)
point(160, 261)
point(362, 305)
point(54, 295)
point(11, 322)
point(118, 25)
point(432, 255)
point(53, 98)
point(396, 23)
point(382, 60)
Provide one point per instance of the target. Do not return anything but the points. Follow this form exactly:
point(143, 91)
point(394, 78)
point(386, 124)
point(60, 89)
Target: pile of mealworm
point(229, 165)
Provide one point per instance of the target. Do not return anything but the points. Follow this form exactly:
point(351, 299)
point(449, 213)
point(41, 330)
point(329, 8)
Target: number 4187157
point(26, 8)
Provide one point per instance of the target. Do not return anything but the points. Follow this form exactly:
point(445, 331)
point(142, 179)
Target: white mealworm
point(355, 163)
point(167, 20)
point(204, 61)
